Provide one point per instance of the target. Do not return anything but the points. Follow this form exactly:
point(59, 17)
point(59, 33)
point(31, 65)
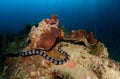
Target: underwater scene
point(60, 39)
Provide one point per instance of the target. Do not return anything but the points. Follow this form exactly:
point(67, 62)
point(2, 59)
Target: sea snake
point(43, 54)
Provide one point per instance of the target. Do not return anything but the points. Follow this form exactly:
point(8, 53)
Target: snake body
point(43, 54)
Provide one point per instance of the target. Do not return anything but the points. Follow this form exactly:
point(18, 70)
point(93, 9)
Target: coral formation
point(48, 38)
point(91, 59)
point(11, 43)
point(14, 46)
point(44, 36)
point(97, 49)
point(91, 66)
point(91, 38)
point(43, 54)
point(82, 36)
point(66, 32)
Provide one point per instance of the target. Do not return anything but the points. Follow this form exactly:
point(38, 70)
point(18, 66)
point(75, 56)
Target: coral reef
point(66, 32)
point(43, 54)
point(88, 61)
point(97, 49)
point(91, 38)
point(82, 36)
point(47, 39)
point(14, 46)
point(44, 36)
point(10, 44)
point(91, 66)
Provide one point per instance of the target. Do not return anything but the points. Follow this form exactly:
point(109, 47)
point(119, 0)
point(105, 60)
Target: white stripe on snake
point(42, 53)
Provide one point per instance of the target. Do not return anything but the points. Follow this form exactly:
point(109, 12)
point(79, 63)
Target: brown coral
point(44, 36)
point(53, 20)
point(48, 38)
point(91, 38)
point(78, 34)
point(81, 36)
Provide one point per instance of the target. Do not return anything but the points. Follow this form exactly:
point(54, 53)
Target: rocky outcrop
point(81, 65)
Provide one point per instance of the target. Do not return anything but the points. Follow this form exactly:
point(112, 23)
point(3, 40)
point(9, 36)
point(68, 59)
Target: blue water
point(100, 16)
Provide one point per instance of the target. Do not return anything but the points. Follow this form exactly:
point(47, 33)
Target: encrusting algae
point(51, 55)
